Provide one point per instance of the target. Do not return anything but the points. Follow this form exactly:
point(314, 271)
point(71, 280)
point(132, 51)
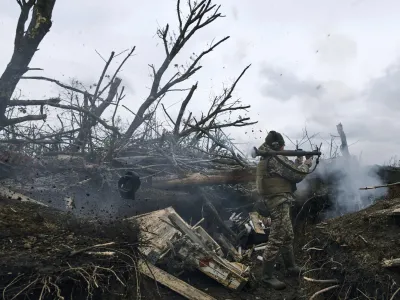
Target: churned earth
point(44, 255)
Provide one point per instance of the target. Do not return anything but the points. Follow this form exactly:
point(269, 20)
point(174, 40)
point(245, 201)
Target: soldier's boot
point(290, 265)
point(268, 277)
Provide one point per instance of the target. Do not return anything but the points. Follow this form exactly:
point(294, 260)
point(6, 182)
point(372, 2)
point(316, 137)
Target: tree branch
point(183, 108)
point(34, 102)
point(196, 15)
point(14, 121)
point(59, 83)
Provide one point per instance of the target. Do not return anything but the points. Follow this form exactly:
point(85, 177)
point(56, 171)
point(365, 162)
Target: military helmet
point(274, 140)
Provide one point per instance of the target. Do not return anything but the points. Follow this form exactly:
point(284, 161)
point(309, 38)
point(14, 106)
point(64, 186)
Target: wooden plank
point(215, 267)
point(154, 233)
point(254, 217)
point(183, 226)
point(229, 247)
point(391, 263)
point(208, 240)
point(217, 218)
point(175, 284)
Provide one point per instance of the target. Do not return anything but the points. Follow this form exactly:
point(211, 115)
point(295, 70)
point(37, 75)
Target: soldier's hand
point(308, 161)
point(299, 160)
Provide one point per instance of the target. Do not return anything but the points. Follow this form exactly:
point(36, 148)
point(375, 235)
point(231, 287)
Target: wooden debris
point(260, 248)
point(255, 219)
point(249, 252)
point(155, 234)
point(320, 280)
point(323, 291)
point(103, 253)
point(90, 247)
point(175, 284)
point(361, 237)
point(379, 186)
point(178, 222)
point(227, 273)
point(391, 263)
point(208, 240)
point(211, 208)
point(228, 247)
point(198, 223)
point(194, 246)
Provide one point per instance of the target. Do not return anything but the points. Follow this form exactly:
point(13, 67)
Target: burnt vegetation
point(63, 227)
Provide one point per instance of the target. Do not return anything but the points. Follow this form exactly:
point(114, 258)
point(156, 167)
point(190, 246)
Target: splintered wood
point(256, 222)
point(175, 284)
point(156, 232)
point(164, 230)
point(391, 263)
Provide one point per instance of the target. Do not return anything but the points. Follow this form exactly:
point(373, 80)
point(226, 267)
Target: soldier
point(276, 179)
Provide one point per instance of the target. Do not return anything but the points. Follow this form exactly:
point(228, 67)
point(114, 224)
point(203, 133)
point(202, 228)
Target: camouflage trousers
point(281, 231)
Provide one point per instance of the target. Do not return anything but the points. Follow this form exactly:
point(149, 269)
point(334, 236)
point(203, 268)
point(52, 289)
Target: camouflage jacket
point(277, 178)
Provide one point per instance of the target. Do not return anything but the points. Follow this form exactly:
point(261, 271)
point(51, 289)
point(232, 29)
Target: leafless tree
point(83, 128)
point(26, 43)
point(201, 14)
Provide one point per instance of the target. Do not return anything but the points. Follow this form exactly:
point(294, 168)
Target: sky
point(314, 63)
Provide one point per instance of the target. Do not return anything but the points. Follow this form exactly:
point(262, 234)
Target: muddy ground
point(350, 249)
point(37, 258)
point(42, 257)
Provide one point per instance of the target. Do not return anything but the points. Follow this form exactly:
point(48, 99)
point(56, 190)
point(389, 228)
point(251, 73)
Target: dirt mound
point(47, 254)
point(348, 252)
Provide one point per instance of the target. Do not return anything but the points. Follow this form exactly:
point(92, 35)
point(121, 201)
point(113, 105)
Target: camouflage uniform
point(275, 184)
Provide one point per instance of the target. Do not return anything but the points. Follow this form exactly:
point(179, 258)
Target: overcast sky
point(314, 63)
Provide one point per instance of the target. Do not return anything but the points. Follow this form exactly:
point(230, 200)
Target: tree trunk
point(197, 179)
point(344, 148)
point(25, 46)
point(89, 122)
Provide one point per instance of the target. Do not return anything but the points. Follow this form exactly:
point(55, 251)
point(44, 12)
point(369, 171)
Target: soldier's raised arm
point(289, 170)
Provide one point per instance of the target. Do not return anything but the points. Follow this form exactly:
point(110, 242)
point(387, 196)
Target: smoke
point(342, 178)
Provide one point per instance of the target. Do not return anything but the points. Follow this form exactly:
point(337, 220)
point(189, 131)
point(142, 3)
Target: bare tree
point(83, 129)
point(25, 45)
point(201, 14)
point(344, 148)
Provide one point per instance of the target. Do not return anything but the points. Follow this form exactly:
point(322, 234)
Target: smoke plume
point(343, 178)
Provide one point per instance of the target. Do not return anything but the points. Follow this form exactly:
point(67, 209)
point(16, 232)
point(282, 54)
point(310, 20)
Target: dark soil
point(36, 260)
point(351, 249)
point(36, 244)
